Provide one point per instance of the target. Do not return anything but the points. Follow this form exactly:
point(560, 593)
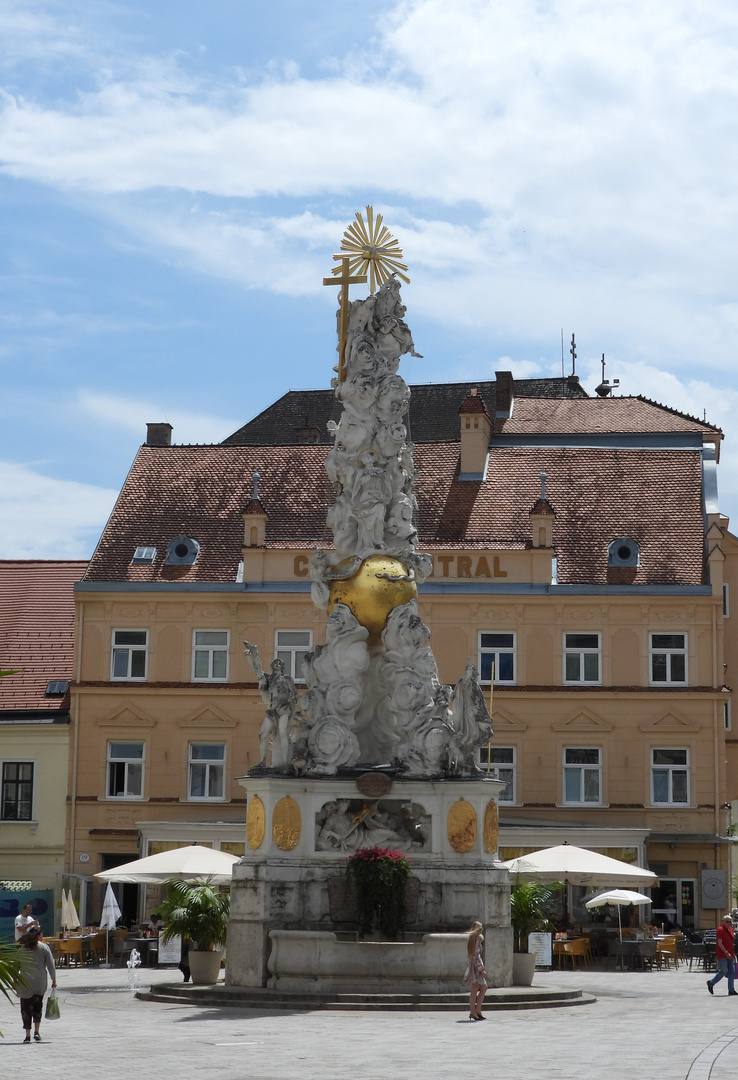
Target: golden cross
point(344, 281)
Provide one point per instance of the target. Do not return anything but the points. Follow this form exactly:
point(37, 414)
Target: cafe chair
point(121, 950)
point(667, 951)
point(578, 951)
point(70, 950)
point(97, 946)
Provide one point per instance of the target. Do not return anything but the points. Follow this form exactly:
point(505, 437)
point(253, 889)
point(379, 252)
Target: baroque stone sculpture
point(373, 694)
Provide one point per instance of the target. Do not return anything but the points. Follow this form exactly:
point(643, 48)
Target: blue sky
point(175, 176)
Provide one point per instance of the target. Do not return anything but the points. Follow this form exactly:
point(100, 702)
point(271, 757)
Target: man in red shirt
point(725, 954)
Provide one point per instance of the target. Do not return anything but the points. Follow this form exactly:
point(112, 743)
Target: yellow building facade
point(581, 553)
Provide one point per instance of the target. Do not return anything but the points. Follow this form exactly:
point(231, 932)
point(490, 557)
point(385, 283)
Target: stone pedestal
point(288, 882)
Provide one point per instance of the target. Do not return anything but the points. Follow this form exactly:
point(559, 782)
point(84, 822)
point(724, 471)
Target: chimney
point(542, 516)
point(158, 434)
point(476, 426)
point(504, 393)
point(255, 518)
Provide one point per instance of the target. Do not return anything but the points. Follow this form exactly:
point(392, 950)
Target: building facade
point(36, 647)
point(579, 553)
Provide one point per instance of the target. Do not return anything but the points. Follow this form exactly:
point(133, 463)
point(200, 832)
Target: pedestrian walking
point(475, 975)
point(39, 963)
point(725, 954)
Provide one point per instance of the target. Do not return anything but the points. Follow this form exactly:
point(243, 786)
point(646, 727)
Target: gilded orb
point(380, 584)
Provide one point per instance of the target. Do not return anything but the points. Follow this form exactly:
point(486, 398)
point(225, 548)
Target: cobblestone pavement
point(661, 1026)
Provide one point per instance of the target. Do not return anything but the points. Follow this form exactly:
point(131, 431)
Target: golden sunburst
point(372, 249)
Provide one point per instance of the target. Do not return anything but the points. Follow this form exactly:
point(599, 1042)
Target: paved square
point(661, 1026)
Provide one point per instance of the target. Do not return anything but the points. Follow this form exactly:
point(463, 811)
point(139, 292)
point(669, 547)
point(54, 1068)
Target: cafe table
point(147, 947)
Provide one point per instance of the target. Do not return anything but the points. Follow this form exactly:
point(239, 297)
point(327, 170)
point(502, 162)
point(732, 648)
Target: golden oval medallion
point(255, 823)
point(491, 827)
point(286, 824)
point(461, 826)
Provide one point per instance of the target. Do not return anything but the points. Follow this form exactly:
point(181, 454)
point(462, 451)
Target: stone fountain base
point(293, 924)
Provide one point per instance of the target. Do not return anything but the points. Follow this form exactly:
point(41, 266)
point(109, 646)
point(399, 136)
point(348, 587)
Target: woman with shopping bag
point(39, 964)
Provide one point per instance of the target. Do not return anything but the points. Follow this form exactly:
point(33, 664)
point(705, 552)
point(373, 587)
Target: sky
point(175, 176)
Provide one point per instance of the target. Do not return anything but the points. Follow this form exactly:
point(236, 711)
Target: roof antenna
point(605, 388)
point(573, 351)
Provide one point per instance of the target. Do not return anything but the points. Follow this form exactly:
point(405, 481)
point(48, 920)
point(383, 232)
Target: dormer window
point(623, 552)
point(182, 551)
point(143, 556)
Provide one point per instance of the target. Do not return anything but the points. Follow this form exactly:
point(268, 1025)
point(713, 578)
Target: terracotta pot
point(524, 966)
point(205, 966)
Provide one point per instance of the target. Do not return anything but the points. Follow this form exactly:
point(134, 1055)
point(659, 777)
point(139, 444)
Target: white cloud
point(133, 414)
point(46, 518)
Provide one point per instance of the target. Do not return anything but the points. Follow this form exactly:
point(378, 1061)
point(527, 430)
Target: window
point(206, 771)
point(726, 601)
point(582, 658)
point(16, 803)
point(623, 552)
point(727, 721)
point(210, 655)
point(497, 649)
point(670, 776)
point(582, 775)
point(182, 551)
point(668, 658)
point(501, 763)
point(128, 659)
point(290, 647)
point(144, 555)
point(57, 688)
point(125, 770)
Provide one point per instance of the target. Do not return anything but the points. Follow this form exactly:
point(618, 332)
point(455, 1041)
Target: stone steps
point(221, 996)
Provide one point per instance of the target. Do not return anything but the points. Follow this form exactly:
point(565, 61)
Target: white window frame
point(210, 764)
point(581, 652)
point(288, 653)
point(496, 767)
point(727, 715)
point(210, 650)
point(583, 768)
point(668, 652)
point(495, 651)
point(126, 794)
point(671, 770)
point(34, 767)
point(131, 649)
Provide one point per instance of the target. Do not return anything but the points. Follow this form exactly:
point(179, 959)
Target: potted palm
point(197, 911)
point(530, 902)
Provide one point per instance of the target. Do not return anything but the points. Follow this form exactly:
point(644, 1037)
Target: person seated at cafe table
point(155, 923)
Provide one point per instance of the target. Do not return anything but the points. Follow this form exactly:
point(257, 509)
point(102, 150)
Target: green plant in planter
point(380, 878)
point(195, 910)
point(530, 910)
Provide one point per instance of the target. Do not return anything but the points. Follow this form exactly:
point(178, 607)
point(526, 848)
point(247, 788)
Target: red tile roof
point(597, 416)
point(599, 493)
point(36, 631)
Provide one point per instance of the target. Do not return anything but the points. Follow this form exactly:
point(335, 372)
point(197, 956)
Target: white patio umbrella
point(189, 863)
point(110, 915)
point(618, 897)
point(64, 908)
point(72, 912)
point(578, 866)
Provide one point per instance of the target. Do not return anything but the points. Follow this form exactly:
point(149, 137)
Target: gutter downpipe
point(75, 752)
